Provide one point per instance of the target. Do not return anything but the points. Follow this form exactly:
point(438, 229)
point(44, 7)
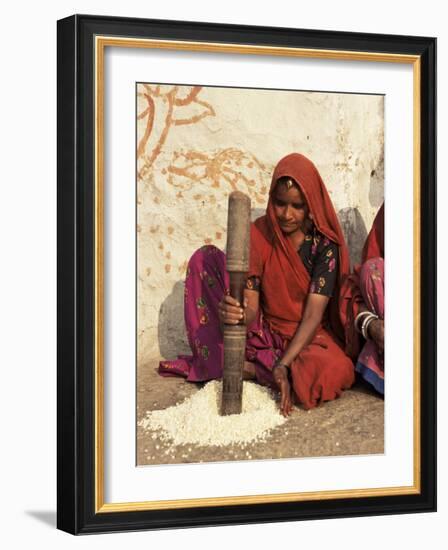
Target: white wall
point(179, 209)
point(28, 322)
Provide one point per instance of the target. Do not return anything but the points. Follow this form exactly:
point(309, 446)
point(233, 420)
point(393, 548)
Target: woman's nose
point(287, 213)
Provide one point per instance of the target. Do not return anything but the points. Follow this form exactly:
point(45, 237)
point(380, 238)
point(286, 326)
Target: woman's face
point(290, 208)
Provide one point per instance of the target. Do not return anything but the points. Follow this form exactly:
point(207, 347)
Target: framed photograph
point(246, 274)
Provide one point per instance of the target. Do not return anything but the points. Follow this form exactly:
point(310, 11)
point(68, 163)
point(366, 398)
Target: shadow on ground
point(350, 425)
point(48, 517)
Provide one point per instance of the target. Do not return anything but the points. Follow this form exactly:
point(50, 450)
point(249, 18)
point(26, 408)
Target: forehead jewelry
point(289, 183)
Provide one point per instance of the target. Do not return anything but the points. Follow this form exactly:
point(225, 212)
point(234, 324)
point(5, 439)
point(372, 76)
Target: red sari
point(366, 287)
point(321, 370)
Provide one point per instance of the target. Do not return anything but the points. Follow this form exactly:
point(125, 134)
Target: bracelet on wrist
point(359, 319)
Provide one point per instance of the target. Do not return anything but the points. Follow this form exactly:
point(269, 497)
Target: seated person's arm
point(375, 329)
point(312, 317)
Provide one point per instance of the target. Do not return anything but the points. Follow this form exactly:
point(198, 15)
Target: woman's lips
point(286, 225)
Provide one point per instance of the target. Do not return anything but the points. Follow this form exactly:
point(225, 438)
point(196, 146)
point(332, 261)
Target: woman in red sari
point(362, 301)
point(298, 259)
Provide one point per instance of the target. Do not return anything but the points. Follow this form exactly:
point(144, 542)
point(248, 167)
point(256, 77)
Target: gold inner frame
point(101, 42)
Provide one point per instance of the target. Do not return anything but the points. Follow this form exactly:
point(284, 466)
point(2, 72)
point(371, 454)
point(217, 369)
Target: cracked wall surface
point(197, 144)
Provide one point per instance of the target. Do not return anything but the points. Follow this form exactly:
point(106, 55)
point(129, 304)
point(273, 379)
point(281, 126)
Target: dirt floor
point(350, 425)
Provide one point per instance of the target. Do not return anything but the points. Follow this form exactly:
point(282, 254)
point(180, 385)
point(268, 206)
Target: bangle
point(359, 317)
point(278, 363)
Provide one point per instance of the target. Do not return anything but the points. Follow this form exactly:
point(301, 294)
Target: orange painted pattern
point(230, 167)
point(174, 100)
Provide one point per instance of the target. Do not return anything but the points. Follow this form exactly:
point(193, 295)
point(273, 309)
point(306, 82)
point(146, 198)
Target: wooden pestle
point(237, 261)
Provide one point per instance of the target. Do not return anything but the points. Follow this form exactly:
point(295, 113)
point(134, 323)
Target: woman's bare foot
point(248, 371)
point(281, 379)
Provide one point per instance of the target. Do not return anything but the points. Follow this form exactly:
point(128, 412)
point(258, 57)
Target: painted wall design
point(197, 144)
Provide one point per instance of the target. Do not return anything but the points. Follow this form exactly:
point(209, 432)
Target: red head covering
point(285, 280)
point(305, 174)
point(374, 245)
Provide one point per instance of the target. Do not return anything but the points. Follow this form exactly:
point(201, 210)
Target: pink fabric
point(206, 282)
point(370, 362)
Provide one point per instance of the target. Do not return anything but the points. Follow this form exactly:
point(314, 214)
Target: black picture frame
point(77, 511)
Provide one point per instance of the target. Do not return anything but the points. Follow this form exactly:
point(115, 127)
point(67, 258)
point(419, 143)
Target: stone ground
point(350, 425)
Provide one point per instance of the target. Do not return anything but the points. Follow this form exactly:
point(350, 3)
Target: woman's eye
point(298, 205)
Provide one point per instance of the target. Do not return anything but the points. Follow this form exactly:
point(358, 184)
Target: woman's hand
point(376, 332)
point(280, 374)
point(230, 311)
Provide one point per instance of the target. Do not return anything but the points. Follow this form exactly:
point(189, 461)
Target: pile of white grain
point(197, 420)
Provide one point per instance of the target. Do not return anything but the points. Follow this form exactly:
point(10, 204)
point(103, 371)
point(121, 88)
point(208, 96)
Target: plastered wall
point(197, 144)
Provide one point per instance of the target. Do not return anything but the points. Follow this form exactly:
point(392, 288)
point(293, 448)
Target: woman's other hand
point(376, 332)
point(281, 379)
point(230, 310)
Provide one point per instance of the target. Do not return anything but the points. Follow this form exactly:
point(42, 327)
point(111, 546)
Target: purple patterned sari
point(206, 283)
